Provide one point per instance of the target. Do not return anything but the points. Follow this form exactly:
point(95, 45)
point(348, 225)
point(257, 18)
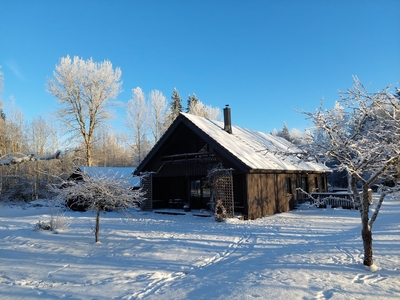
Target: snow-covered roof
point(126, 172)
point(256, 149)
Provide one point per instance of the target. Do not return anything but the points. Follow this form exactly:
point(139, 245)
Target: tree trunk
point(366, 232)
point(96, 232)
point(88, 154)
point(367, 243)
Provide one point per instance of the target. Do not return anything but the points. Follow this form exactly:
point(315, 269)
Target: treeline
point(80, 128)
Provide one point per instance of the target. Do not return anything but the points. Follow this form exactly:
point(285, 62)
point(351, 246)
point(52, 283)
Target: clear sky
point(265, 59)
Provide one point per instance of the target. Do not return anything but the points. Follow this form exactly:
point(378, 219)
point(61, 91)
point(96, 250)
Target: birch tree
point(362, 138)
point(84, 90)
point(158, 106)
point(137, 121)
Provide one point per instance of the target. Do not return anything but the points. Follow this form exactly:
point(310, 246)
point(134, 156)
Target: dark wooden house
point(264, 169)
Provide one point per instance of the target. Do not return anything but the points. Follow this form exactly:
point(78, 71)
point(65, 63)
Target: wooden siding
point(266, 194)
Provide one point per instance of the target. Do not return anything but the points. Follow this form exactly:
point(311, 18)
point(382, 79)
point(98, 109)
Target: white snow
point(307, 253)
point(256, 149)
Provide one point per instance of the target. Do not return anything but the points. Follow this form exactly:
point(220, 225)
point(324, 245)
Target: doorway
point(199, 193)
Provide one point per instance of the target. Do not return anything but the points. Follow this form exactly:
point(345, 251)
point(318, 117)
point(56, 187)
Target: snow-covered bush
point(42, 225)
point(58, 221)
point(101, 193)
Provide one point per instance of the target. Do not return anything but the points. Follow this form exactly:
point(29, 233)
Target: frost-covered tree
point(285, 132)
point(84, 89)
point(192, 100)
point(397, 93)
point(158, 106)
point(294, 135)
point(361, 134)
point(137, 112)
point(104, 192)
point(197, 108)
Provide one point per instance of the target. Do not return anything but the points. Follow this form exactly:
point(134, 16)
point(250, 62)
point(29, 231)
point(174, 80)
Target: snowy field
point(308, 253)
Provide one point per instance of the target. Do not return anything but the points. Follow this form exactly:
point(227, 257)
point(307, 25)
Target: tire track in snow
point(161, 279)
point(232, 248)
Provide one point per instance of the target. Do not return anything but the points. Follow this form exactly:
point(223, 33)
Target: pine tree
point(176, 104)
point(285, 132)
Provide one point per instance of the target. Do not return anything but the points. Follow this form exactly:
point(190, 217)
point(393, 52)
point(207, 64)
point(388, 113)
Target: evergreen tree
point(286, 133)
point(176, 104)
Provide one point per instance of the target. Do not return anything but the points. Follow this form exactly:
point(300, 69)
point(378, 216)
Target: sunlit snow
point(307, 253)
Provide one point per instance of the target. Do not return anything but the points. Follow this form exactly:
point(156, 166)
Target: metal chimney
point(227, 119)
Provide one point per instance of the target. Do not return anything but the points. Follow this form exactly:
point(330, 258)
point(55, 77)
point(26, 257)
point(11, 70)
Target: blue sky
point(265, 59)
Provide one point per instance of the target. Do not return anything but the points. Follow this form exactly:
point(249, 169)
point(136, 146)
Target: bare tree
point(361, 135)
point(137, 121)
point(158, 106)
point(106, 191)
point(84, 89)
point(110, 149)
point(15, 141)
point(41, 136)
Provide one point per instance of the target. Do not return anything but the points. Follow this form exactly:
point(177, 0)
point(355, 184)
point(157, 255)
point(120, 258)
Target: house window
point(323, 183)
point(288, 186)
point(316, 183)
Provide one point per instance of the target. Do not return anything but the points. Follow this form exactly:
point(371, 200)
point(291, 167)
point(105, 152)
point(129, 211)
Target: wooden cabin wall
point(317, 183)
point(267, 194)
point(260, 195)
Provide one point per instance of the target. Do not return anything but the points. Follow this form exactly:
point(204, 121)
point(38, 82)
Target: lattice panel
point(223, 190)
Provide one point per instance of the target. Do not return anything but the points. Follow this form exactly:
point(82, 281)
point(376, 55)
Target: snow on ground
point(307, 253)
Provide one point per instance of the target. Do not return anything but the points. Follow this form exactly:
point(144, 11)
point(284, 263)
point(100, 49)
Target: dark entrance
point(199, 193)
